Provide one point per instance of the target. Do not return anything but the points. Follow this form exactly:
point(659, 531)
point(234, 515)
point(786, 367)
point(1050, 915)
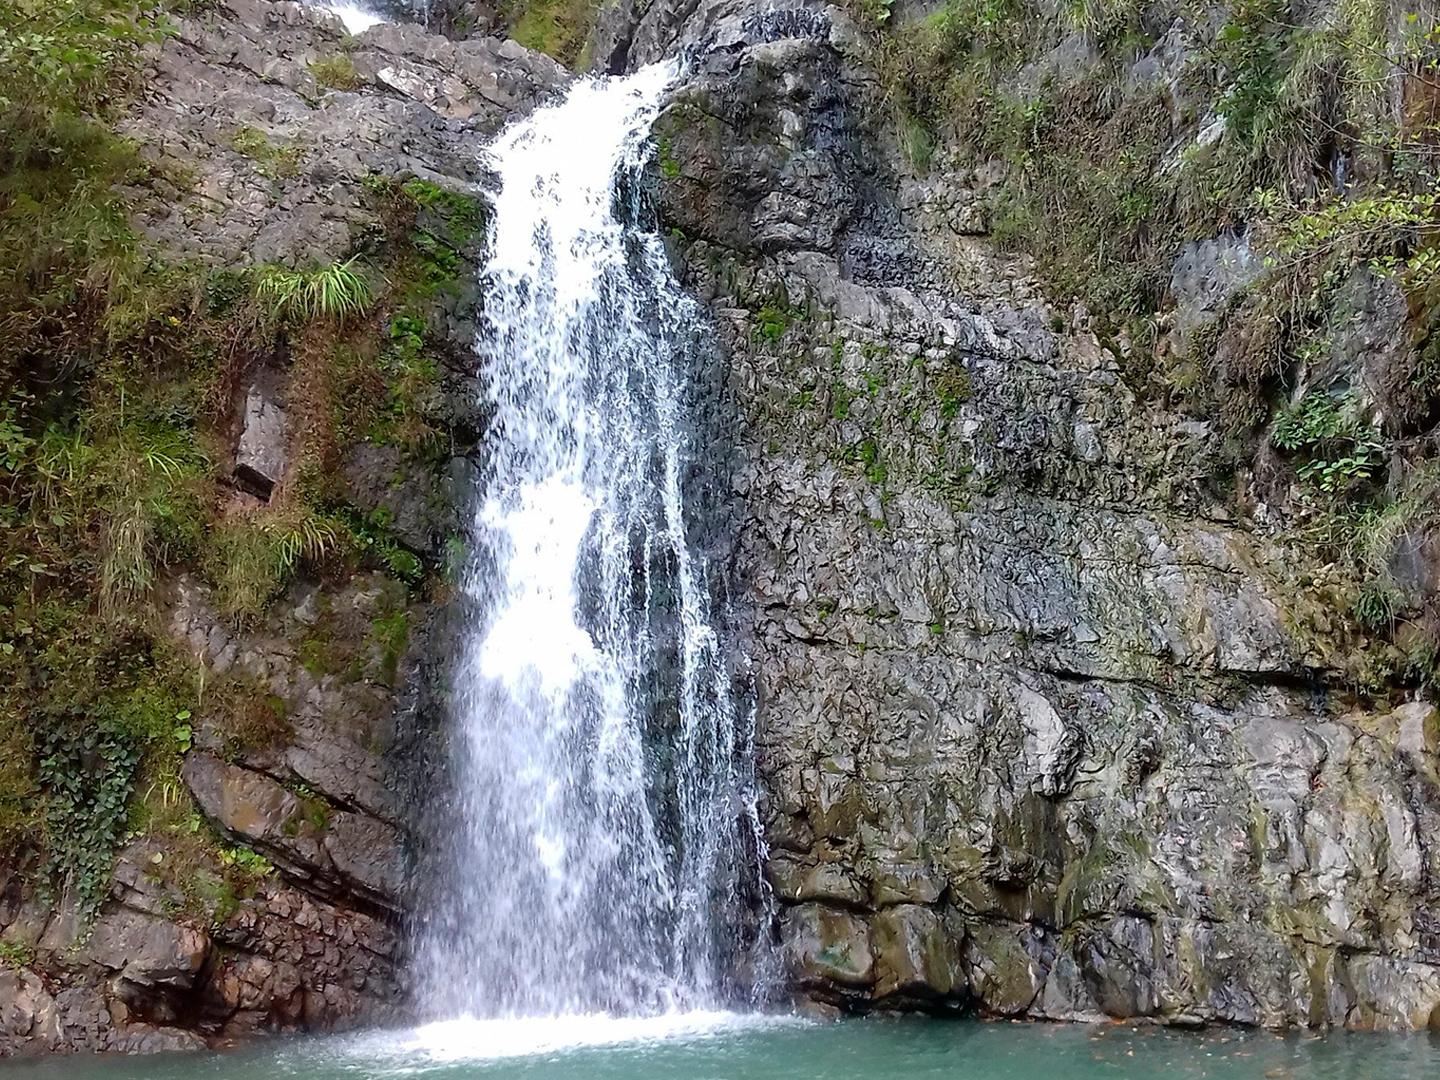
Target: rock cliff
point(1049, 725)
point(1057, 715)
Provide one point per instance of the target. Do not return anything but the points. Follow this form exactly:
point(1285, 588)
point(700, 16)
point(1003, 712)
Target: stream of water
point(603, 840)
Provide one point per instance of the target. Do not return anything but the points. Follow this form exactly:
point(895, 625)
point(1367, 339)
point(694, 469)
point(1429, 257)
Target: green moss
point(665, 156)
point(952, 389)
point(277, 162)
point(868, 453)
point(311, 816)
point(249, 717)
point(390, 634)
point(461, 216)
point(772, 320)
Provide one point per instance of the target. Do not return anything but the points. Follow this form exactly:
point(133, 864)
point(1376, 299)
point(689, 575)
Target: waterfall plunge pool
point(721, 1046)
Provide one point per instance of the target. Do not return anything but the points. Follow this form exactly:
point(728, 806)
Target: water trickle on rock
point(604, 834)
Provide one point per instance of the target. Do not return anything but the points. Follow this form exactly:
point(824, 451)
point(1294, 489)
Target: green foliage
point(63, 228)
point(338, 292)
point(1391, 230)
point(931, 70)
point(439, 262)
point(387, 396)
point(18, 784)
point(775, 317)
point(1104, 19)
point(337, 72)
point(1374, 536)
point(61, 55)
point(110, 702)
point(1375, 606)
point(1251, 47)
point(917, 142)
point(1314, 419)
point(87, 770)
point(247, 861)
point(146, 479)
point(874, 12)
point(117, 374)
point(1340, 450)
point(1338, 470)
point(15, 955)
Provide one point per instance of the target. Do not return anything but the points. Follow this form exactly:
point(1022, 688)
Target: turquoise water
point(728, 1048)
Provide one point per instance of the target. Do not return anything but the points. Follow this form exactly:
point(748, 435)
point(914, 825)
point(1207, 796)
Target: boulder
point(336, 851)
point(915, 955)
point(1007, 966)
point(146, 950)
point(29, 1017)
point(828, 948)
point(262, 454)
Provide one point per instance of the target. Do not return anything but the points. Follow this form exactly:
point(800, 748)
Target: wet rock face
point(1042, 728)
point(1206, 276)
point(185, 952)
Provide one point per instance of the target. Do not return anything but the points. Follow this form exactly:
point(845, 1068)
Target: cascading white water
point(603, 827)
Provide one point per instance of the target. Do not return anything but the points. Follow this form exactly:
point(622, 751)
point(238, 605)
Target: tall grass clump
point(338, 292)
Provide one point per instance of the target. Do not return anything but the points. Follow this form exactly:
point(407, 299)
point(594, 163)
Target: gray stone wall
point(1045, 728)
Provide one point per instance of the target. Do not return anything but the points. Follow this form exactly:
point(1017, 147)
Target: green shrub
point(1339, 449)
point(337, 72)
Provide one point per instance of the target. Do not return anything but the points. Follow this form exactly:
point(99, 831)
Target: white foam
point(356, 18)
point(472, 1039)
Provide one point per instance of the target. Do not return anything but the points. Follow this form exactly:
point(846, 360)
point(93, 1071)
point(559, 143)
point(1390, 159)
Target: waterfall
point(603, 835)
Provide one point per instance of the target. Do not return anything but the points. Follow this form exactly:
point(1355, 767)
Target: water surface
point(728, 1047)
